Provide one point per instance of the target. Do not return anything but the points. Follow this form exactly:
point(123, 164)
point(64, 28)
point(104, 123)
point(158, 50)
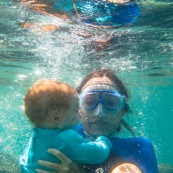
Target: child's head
point(52, 104)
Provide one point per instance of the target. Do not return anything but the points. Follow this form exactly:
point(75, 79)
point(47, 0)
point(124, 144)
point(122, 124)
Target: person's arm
point(44, 7)
point(66, 165)
point(84, 151)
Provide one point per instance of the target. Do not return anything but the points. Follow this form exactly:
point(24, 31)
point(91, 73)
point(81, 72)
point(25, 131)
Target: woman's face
point(100, 120)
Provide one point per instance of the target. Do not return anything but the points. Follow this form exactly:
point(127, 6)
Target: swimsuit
point(138, 151)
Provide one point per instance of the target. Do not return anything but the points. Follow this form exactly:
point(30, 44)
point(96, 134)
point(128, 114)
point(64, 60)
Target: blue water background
point(141, 54)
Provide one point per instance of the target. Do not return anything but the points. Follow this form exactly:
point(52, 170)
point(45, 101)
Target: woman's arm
point(66, 165)
point(44, 7)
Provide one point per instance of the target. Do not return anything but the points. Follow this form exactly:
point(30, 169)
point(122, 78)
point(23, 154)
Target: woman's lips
point(98, 122)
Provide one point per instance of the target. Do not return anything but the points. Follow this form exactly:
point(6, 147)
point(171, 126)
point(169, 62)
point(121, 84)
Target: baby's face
point(70, 115)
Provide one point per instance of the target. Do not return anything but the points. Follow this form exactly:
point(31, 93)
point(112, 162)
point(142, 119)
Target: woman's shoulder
point(137, 142)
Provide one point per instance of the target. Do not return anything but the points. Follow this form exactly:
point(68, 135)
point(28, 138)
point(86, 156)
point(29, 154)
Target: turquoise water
point(141, 54)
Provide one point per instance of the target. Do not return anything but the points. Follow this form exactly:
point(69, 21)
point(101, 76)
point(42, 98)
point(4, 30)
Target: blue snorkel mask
point(111, 100)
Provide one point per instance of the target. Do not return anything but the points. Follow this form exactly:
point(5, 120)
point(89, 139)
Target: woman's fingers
point(64, 160)
point(51, 165)
point(42, 171)
point(65, 166)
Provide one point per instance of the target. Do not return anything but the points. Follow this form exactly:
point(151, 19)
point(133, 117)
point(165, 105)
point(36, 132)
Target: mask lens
point(111, 101)
point(89, 100)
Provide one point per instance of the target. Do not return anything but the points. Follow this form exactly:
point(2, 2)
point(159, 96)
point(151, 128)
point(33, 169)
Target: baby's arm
point(85, 151)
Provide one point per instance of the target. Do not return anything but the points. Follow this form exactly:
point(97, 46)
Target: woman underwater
point(103, 105)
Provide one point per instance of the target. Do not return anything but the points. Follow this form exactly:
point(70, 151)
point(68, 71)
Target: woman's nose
point(99, 110)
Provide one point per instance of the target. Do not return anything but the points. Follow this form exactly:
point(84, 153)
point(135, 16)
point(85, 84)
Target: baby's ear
point(55, 115)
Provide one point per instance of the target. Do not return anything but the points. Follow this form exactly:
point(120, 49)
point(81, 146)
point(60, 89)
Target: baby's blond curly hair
point(47, 95)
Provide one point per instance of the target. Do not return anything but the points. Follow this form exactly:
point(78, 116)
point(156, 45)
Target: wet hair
point(108, 73)
point(45, 96)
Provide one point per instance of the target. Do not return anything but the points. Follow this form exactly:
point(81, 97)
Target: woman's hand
point(66, 165)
